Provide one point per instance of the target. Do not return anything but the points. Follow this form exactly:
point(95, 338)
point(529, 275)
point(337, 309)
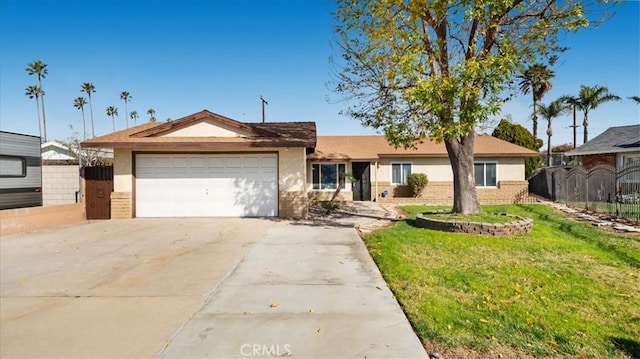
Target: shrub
point(329, 205)
point(417, 182)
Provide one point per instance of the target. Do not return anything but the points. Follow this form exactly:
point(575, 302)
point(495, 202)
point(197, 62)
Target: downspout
point(375, 163)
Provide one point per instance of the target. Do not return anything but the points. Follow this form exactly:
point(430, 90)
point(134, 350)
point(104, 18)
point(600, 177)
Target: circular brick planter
point(518, 226)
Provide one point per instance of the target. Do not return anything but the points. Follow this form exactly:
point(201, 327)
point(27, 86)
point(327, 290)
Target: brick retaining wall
point(519, 226)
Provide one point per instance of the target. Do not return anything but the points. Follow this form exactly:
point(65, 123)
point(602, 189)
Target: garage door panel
point(177, 185)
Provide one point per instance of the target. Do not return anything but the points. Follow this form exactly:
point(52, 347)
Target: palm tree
point(134, 115)
point(89, 89)
point(536, 79)
point(574, 102)
point(40, 68)
point(34, 91)
point(79, 103)
point(151, 112)
point(555, 109)
point(126, 97)
point(113, 112)
point(591, 97)
point(635, 98)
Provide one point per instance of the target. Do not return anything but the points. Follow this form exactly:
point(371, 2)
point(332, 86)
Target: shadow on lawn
point(628, 346)
point(576, 229)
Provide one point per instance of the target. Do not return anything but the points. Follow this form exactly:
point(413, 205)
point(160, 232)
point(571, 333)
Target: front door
point(361, 185)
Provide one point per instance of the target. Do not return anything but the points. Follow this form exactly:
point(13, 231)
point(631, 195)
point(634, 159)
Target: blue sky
point(179, 57)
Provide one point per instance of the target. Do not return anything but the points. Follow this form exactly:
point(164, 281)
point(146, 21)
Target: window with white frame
point(326, 175)
point(486, 174)
point(400, 172)
point(630, 159)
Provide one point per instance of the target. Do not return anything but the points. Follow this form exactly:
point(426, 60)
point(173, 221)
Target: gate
point(601, 189)
point(576, 187)
point(98, 188)
point(628, 192)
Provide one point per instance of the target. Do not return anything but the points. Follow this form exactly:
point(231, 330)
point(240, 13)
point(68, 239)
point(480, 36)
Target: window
point(12, 166)
point(486, 174)
point(629, 160)
point(325, 175)
point(400, 172)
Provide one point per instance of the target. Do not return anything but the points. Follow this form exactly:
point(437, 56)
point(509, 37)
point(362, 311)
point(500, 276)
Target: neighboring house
point(381, 171)
point(616, 147)
point(206, 164)
point(56, 151)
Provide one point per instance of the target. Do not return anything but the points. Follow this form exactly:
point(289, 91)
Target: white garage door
point(204, 185)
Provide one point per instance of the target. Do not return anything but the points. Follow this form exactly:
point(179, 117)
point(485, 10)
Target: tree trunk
point(39, 121)
point(93, 131)
point(460, 150)
point(126, 113)
point(585, 124)
point(574, 127)
point(549, 133)
point(44, 117)
point(534, 119)
point(84, 125)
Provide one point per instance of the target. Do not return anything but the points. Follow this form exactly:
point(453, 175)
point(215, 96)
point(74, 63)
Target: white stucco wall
point(439, 169)
point(122, 171)
point(206, 128)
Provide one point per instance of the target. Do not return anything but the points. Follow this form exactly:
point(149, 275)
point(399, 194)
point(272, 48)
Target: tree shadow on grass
point(628, 346)
point(574, 228)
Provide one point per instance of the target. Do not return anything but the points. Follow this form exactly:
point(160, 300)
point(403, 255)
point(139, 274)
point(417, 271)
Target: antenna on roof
point(264, 102)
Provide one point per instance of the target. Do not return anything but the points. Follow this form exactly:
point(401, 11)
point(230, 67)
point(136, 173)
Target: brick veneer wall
point(121, 205)
point(60, 184)
point(590, 161)
point(442, 193)
point(293, 204)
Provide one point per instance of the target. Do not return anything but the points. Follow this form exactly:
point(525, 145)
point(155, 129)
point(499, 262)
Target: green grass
point(483, 217)
point(565, 289)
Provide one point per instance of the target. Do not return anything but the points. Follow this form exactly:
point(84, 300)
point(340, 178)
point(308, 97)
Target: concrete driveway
point(196, 288)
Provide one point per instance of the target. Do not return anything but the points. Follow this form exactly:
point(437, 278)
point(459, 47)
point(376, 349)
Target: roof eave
point(599, 152)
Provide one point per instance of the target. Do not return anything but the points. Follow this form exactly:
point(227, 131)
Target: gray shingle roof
point(613, 140)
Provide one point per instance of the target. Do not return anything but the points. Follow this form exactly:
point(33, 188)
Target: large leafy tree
point(79, 103)
point(549, 112)
point(126, 97)
point(517, 134)
point(39, 68)
point(112, 111)
point(589, 98)
point(35, 91)
point(536, 80)
point(88, 88)
point(418, 68)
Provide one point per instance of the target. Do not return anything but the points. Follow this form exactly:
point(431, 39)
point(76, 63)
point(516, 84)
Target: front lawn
point(566, 289)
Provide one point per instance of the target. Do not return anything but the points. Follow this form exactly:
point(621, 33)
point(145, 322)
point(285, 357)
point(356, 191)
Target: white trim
point(485, 173)
point(410, 163)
